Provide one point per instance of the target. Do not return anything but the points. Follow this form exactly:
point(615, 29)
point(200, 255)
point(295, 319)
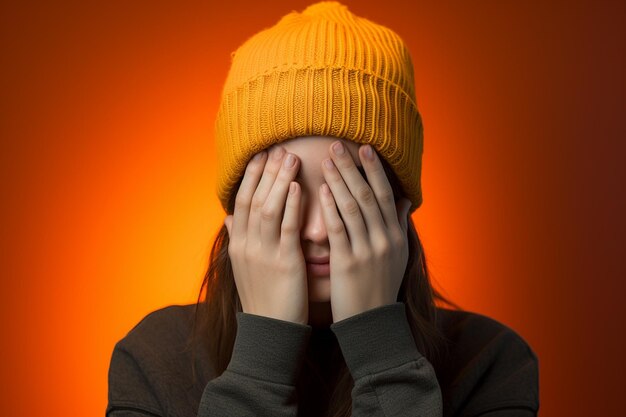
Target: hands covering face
point(367, 232)
point(368, 242)
point(264, 243)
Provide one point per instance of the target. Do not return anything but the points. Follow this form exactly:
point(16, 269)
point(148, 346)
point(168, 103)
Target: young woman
point(317, 300)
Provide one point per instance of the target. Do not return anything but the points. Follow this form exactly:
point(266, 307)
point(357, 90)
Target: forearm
point(261, 377)
point(391, 377)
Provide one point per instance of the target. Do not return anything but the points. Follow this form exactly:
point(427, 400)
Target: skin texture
point(357, 225)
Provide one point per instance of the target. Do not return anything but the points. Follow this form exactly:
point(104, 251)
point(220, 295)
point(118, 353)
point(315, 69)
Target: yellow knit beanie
point(321, 72)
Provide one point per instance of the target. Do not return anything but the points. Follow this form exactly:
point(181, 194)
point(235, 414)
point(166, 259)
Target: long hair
point(215, 324)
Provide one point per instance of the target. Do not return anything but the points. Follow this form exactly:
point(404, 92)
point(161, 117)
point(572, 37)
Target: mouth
point(318, 267)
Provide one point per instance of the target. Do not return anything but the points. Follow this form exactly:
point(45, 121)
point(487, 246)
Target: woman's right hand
point(264, 245)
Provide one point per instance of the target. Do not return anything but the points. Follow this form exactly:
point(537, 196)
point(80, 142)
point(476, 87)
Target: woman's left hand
point(369, 247)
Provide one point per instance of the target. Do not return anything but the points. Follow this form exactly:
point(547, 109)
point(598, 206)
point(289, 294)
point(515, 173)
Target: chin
point(319, 289)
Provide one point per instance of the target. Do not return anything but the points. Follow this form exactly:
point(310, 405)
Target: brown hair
point(215, 324)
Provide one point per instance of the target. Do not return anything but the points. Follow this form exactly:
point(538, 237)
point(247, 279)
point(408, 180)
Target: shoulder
point(160, 335)
point(478, 331)
point(150, 357)
point(488, 359)
point(164, 328)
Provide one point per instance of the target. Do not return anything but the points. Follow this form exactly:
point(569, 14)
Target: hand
point(369, 247)
point(264, 247)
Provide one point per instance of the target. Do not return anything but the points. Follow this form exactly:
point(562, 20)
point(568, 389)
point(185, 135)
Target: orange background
point(108, 176)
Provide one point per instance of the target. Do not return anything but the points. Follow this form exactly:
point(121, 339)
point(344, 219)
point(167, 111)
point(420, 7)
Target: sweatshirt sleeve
point(261, 377)
point(391, 377)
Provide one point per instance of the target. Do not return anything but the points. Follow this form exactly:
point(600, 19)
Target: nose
point(313, 228)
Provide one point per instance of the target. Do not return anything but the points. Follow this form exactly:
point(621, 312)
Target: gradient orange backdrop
point(108, 178)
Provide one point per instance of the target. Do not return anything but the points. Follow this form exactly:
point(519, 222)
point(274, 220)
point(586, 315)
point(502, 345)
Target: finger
point(379, 183)
point(359, 189)
point(274, 161)
point(290, 227)
point(243, 200)
point(335, 227)
point(272, 212)
point(347, 206)
point(403, 213)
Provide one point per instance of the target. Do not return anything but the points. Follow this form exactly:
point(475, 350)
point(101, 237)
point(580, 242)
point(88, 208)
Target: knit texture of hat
point(322, 72)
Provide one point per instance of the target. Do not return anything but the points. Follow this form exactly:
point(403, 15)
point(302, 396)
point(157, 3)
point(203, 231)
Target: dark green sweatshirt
point(490, 370)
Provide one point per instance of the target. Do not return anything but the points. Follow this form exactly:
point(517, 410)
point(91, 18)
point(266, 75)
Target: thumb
point(228, 222)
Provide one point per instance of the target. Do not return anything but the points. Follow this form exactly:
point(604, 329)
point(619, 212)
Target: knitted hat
point(321, 72)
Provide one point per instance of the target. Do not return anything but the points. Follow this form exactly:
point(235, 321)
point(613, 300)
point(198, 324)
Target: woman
point(317, 298)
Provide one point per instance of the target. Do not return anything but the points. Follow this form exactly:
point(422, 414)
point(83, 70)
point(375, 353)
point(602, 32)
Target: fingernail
point(329, 164)
point(290, 161)
point(369, 153)
point(258, 156)
point(338, 148)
